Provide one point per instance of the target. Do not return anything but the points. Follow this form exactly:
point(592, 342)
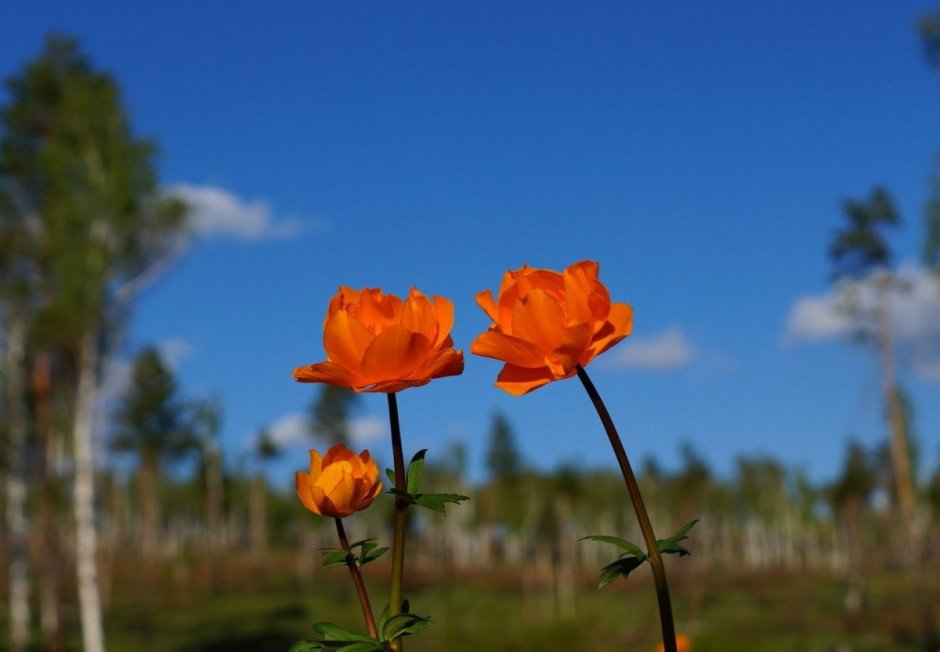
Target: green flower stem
point(398, 541)
point(652, 548)
point(357, 580)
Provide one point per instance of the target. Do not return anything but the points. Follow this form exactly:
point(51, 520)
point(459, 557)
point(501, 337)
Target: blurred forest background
point(126, 527)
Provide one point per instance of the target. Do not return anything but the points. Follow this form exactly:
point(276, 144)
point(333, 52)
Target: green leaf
point(371, 646)
point(435, 502)
point(333, 557)
point(671, 545)
point(415, 472)
point(631, 548)
point(403, 624)
point(390, 475)
point(620, 568)
point(383, 618)
point(306, 646)
point(334, 633)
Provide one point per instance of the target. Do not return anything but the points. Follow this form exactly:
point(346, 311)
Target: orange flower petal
point(418, 315)
point(345, 340)
point(302, 485)
point(447, 362)
point(576, 340)
point(619, 326)
point(394, 354)
point(444, 310)
point(486, 301)
point(539, 319)
point(498, 345)
point(325, 372)
point(519, 380)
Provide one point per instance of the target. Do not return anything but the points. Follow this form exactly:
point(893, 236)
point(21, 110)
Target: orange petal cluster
point(547, 323)
point(683, 644)
point(340, 483)
point(376, 342)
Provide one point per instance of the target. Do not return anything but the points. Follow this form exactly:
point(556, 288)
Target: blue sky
point(699, 151)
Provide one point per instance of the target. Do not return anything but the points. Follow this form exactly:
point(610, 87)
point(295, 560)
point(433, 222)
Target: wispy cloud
point(174, 351)
point(217, 212)
point(915, 312)
point(665, 351)
point(293, 430)
point(290, 430)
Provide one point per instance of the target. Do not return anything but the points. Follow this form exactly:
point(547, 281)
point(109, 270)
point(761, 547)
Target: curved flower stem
point(357, 580)
point(398, 541)
point(652, 547)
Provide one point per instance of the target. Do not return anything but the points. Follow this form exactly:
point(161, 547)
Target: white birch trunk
point(86, 543)
point(16, 484)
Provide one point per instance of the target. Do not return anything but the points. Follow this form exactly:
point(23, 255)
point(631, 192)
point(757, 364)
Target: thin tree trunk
point(214, 498)
point(900, 456)
point(17, 526)
point(85, 533)
point(147, 495)
point(258, 526)
point(50, 559)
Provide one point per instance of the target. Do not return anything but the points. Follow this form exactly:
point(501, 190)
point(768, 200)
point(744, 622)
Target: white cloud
point(293, 429)
point(216, 212)
point(915, 310)
point(174, 351)
point(663, 351)
point(366, 429)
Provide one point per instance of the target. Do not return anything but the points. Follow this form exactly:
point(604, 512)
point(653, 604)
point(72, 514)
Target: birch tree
point(78, 172)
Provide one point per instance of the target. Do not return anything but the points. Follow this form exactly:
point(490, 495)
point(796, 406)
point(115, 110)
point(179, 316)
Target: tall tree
point(502, 457)
point(85, 193)
point(207, 420)
point(862, 259)
point(929, 28)
point(265, 450)
point(151, 423)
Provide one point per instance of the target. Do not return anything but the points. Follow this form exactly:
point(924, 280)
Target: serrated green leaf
point(671, 545)
point(332, 633)
point(403, 625)
point(371, 646)
point(306, 646)
point(415, 472)
point(383, 618)
point(631, 548)
point(333, 557)
point(435, 502)
point(372, 556)
point(620, 568)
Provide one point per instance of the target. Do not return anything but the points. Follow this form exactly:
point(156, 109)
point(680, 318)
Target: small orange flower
point(546, 323)
point(683, 644)
point(339, 483)
point(374, 342)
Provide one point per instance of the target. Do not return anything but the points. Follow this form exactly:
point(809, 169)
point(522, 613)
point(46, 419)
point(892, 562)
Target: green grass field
point(263, 608)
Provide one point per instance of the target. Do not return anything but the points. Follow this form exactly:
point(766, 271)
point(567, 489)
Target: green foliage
point(502, 457)
point(389, 629)
point(150, 420)
point(85, 207)
point(634, 556)
point(368, 551)
point(860, 246)
point(434, 501)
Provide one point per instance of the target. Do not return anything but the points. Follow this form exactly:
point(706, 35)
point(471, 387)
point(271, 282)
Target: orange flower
point(546, 323)
point(376, 343)
point(339, 483)
point(683, 644)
